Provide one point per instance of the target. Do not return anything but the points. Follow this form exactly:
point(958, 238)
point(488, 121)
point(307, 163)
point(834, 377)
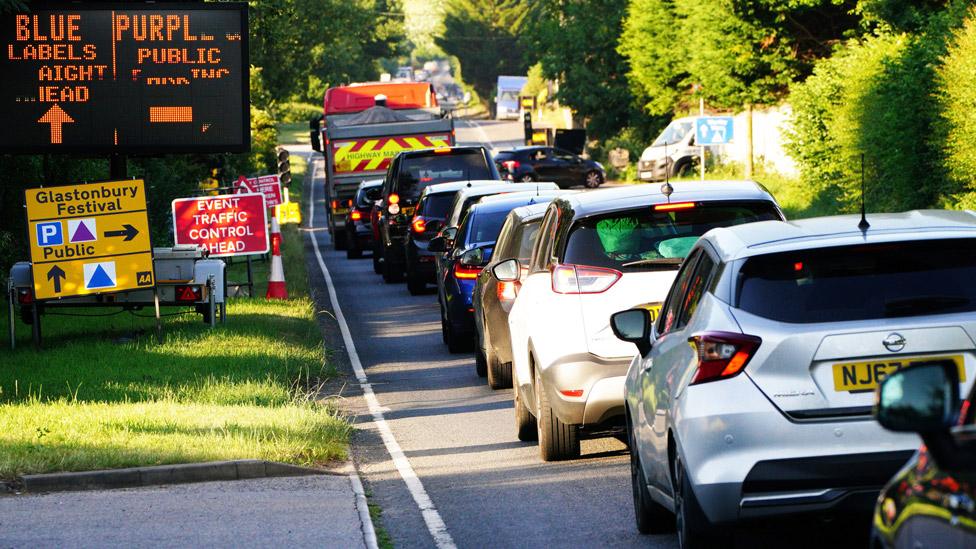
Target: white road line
point(484, 135)
point(435, 524)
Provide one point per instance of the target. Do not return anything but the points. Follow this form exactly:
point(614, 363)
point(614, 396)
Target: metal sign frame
point(244, 144)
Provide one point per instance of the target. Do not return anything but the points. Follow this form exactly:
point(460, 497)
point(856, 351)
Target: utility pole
point(748, 141)
point(701, 113)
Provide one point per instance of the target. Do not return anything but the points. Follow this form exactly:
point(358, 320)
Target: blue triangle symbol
point(100, 279)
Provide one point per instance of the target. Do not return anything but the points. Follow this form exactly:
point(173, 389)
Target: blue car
point(465, 254)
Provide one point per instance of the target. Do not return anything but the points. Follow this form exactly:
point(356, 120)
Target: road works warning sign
point(226, 225)
point(366, 155)
point(87, 239)
point(268, 185)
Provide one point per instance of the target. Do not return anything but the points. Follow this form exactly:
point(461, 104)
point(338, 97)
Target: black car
point(432, 209)
point(408, 175)
point(931, 502)
point(469, 252)
point(492, 300)
point(359, 232)
point(550, 164)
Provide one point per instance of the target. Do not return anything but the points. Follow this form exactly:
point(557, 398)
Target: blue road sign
point(49, 234)
point(713, 130)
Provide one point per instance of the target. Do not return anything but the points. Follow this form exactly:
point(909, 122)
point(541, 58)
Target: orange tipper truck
point(364, 127)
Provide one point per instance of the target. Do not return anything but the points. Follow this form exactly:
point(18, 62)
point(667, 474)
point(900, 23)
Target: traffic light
point(284, 167)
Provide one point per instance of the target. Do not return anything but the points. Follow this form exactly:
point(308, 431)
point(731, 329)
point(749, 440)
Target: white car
point(597, 253)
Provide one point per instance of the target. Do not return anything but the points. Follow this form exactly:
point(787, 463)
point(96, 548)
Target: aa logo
point(144, 278)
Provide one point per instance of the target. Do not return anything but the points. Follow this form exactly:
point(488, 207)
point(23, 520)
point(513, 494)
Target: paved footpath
point(311, 511)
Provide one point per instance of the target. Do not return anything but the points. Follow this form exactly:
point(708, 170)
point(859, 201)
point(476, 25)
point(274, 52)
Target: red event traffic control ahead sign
point(228, 224)
point(268, 185)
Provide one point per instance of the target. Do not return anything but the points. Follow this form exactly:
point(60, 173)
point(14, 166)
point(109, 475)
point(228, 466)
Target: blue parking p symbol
point(49, 234)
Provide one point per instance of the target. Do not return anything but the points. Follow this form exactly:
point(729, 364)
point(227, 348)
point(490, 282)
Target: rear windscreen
point(861, 282)
point(648, 238)
point(419, 171)
point(436, 205)
point(527, 240)
point(482, 228)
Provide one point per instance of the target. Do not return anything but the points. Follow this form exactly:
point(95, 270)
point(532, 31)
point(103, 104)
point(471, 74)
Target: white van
point(673, 152)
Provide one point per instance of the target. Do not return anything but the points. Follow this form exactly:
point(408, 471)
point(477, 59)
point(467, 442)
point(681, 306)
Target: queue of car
point(780, 367)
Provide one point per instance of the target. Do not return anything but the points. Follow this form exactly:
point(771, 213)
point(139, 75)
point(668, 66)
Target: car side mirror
point(922, 398)
point(633, 326)
point(507, 271)
point(473, 258)
point(438, 244)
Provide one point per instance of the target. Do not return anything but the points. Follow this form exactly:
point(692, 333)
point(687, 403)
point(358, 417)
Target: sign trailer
point(226, 225)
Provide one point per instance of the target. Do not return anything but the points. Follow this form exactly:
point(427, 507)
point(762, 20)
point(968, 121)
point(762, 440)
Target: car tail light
point(722, 355)
point(466, 272)
point(575, 393)
point(506, 291)
point(670, 207)
point(511, 165)
point(335, 204)
point(189, 294)
point(356, 215)
point(580, 279)
point(442, 150)
point(349, 203)
point(418, 225)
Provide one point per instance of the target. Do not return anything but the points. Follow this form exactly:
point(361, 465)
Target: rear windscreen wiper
point(923, 304)
point(660, 262)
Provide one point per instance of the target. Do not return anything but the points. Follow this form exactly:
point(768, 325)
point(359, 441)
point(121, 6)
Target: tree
point(305, 46)
point(484, 36)
point(576, 41)
point(736, 52)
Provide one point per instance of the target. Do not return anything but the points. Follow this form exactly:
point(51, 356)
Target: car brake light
point(572, 392)
point(349, 203)
point(506, 291)
point(419, 225)
point(189, 293)
point(511, 165)
point(674, 206)
point(335, 204)
point(393, 199)
point(580, 279)
point(356, 215)
point(442, 150)
point(466, 272)
point(722, 355)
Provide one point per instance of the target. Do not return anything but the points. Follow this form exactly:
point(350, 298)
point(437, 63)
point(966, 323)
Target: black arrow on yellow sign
point(128, 231)
point(57, 274)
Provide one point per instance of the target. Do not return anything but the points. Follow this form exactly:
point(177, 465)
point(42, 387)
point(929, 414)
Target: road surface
point(476, 483)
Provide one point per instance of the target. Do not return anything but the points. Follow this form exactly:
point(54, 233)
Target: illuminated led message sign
point(125, 78)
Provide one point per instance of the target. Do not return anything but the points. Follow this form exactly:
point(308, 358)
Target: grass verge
point(294, 133)
point(104, 394)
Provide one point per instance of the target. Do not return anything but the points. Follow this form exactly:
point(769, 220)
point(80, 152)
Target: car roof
point(530, 212)
point(509, 201)
point(504, 196)
point(819, 232)
point(630, 196)
point(456, 186)
point(456, 148)
point(503, 186)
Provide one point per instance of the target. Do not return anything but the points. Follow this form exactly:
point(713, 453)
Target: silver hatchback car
point(751, 396)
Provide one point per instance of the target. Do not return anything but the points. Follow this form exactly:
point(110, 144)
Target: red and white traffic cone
point(276, 283)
